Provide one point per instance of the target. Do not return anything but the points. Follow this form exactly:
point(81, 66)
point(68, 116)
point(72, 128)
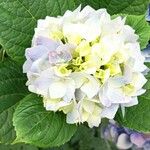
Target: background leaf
point(138, 117)
point(18, 18)
point(12, 90)
point(17, 147)
point(132, 7)
point(35, 125)
point(86, 139)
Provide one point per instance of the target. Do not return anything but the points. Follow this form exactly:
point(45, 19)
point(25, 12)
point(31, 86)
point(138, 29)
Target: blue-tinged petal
point(50, 44)
point(146, 145)
point(137, 139)
point(60, 55)
point(106, 134)
point(146, 53)
point(114, 133)
point(36, 52)
point(124, 142)
point(41, 83)
point(27, 65)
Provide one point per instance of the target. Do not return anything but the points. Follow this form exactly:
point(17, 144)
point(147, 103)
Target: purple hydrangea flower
point(125, 138)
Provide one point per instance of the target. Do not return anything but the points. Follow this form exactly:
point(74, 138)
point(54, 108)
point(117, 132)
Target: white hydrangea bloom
point(85, 64)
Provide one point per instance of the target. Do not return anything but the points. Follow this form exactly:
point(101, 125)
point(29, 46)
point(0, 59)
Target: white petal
point(86, 12)
point(79, 79)
point(116, 95)
point(128, 73)
point(95, 118)
point(103, 96)
point(70, 91)
point(57, 90)
point(138, 80)
point(129, 34)
point(133, 101)
point(139, 92)
point(27, 65)
point(91, 87)
point(73, 116)
point(116, 82)
point(110, 112)
point(116, 23)
point(88, 106)
point(87, 83)
point(70, 16)
point(54, 105)
point(94, 31)
point(94, 121)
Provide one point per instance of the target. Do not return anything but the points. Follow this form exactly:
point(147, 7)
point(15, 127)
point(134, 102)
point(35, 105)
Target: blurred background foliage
point(84, 139)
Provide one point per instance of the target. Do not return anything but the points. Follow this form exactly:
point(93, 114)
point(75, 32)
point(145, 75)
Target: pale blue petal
point(51, 45)
point(36, 52)
point(137, 139)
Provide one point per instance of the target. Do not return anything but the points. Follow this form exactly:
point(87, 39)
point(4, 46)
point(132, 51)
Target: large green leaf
point(12, 89)
point(18, 18)
point(138, 117)
point(141, 27)
point(35, 125)
point(134, 7)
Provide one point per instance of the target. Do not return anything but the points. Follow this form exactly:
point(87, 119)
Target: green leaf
point(138, 117)
point(35, 125)
point(18, 18)
point(90, 139)
point(133, 7)
point(12, 90)
point(141, 27)
point(17, 147)
point(12, 84)
point(87, 139)
point(7, 132)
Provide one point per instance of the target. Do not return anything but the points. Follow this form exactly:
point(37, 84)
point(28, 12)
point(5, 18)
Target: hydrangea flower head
point(85, 64)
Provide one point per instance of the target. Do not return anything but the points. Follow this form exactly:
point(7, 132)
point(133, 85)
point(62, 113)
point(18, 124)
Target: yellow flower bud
point(62, 70)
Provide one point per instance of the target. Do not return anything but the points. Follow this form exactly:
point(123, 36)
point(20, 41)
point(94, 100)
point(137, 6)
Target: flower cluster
point(85, 64)
point(125, 138)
